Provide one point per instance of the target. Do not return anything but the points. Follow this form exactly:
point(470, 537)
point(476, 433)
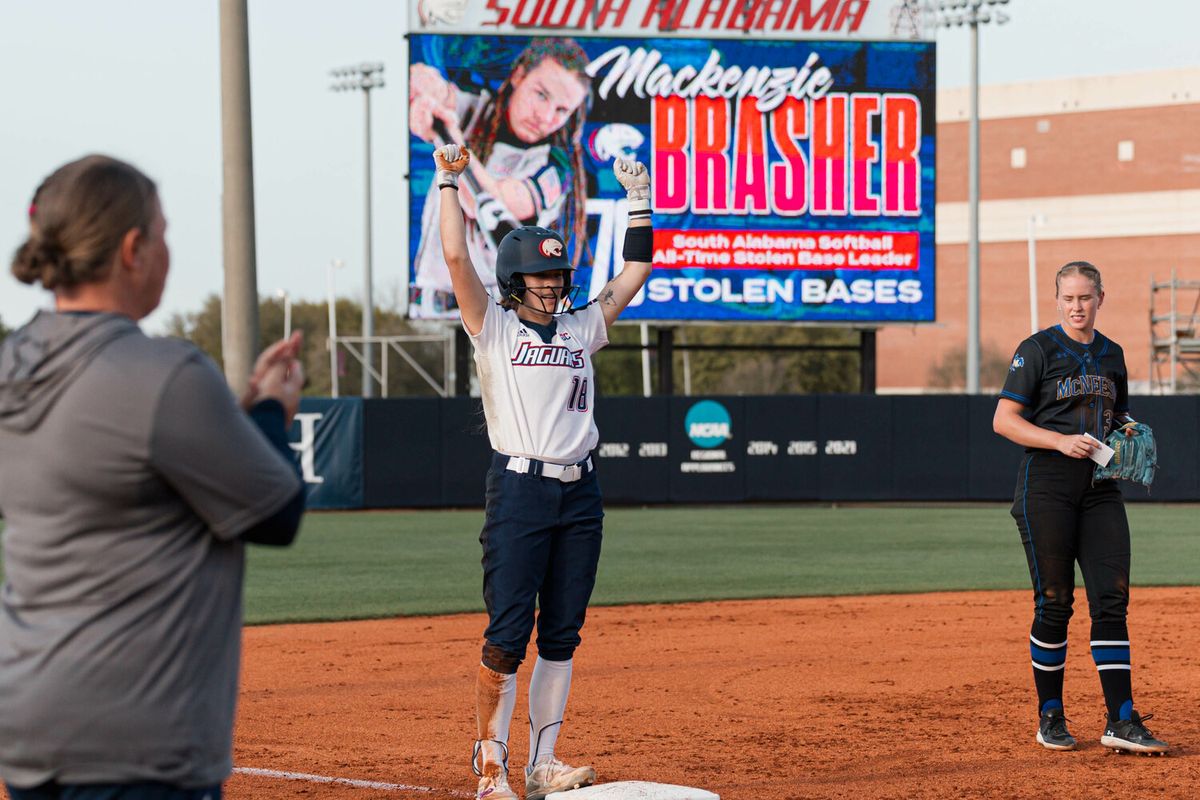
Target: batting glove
point(451, 160)
point(634, 176)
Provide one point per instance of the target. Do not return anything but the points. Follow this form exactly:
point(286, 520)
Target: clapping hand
point(278, 375)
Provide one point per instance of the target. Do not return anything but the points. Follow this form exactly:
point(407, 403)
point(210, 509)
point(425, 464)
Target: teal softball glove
point(1135, 455)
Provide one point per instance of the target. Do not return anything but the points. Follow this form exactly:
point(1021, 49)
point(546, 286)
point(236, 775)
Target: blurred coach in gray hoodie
point(129, 480)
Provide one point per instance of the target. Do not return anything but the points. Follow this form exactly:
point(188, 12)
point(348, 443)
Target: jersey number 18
point(578, 398)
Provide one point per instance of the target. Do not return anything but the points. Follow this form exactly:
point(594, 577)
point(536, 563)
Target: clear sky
point(139, 79)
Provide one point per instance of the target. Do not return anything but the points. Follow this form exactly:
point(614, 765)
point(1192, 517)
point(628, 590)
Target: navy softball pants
point(541, 546)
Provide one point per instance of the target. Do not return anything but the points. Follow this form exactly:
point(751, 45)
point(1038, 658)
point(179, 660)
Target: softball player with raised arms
point(1066, 382)
point(542, 529)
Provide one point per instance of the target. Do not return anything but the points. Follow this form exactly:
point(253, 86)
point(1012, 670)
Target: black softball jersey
point(1068, 387)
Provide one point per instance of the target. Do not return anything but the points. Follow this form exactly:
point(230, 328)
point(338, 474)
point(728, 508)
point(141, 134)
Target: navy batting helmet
point(529, 250)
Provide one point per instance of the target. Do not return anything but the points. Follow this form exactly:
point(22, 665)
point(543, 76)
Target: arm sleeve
point(1024, 374)
point(279, 528)
point(214, 456)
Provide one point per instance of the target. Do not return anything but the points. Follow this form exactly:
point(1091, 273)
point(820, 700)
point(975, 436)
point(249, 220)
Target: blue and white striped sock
point(1114, 665)
point(1049, 659)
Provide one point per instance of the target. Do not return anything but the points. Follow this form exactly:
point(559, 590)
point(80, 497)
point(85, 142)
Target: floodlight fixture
point(364, 77)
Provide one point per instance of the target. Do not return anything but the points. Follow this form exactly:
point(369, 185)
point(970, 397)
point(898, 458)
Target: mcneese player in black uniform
point(1064, 382)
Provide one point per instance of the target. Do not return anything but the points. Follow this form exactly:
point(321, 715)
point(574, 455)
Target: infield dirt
point(900, 696)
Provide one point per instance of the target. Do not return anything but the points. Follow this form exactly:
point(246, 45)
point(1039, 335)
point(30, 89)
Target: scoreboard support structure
point(664, 346)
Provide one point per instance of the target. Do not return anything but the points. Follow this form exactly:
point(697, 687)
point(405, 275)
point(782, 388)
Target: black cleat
point(1052, 731)
point(1132, 736)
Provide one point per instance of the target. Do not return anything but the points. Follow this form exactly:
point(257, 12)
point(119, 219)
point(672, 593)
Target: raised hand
point(283, 381)
point(451, 160)
point(635, 178)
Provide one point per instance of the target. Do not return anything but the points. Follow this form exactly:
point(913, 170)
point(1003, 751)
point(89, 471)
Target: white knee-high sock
point(548, 690)
point(495, 697)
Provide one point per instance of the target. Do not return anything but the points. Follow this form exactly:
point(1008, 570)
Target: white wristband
point(446, 178)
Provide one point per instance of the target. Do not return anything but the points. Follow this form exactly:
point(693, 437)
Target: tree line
point(203, 329)
point(618, 372)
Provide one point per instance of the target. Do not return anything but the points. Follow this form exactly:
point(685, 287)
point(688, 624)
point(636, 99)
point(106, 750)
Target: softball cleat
point(1132, 736)
point(1052, 731)
point(495, 787)
point(553, 775)
point(493, 777)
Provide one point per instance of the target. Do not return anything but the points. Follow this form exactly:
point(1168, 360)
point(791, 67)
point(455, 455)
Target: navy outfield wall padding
point(708, 444)
point(991, 459)
point(633, 457)
point(929, 447)
point(327, 436)
point(855, 458)
point(782, 442)
point(466, 451)
point(413, 453)
point(402, 453)
point(1175, 421)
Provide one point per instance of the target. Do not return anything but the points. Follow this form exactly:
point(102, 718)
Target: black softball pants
point(1064, 518)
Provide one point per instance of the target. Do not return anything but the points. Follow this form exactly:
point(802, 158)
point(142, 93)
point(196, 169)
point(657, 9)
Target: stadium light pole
point(1034, 221)
point(364, 77)
point(239, 307)
point(972, 13)
point(331, 295)
point(283, 295)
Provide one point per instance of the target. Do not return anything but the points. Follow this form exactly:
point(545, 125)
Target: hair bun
point(41, 260)
point(80, 215)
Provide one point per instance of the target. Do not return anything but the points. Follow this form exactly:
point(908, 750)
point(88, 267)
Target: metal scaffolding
point(1174, 336)
point(354, 345)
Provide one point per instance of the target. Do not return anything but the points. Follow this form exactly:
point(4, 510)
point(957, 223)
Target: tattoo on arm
point(608, 299)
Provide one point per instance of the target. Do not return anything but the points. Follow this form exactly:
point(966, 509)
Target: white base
point(634, 790)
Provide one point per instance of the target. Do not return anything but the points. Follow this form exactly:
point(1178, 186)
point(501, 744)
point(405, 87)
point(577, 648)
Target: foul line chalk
point(357, 784)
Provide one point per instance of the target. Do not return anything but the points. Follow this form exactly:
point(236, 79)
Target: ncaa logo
point(551, 248)
point(708, 424)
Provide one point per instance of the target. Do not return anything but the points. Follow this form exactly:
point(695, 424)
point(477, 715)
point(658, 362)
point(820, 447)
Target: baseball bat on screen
point(443, 137)
point(494, 219)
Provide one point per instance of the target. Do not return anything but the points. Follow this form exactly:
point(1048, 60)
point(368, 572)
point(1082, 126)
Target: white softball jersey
point(538, 396)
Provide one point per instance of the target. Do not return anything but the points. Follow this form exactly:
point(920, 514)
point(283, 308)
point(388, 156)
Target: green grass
point(372, 564)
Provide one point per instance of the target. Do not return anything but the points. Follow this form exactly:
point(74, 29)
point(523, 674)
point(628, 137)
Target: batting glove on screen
point(1135, 455)
point(634, 176)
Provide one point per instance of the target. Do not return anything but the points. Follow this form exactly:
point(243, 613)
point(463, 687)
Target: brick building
point(1109, 167)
